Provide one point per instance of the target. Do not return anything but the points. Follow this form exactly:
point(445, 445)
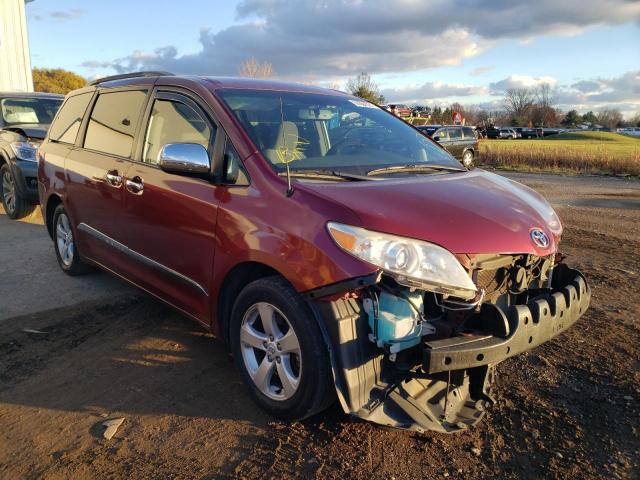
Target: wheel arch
point(52, 203)
point(234, 281)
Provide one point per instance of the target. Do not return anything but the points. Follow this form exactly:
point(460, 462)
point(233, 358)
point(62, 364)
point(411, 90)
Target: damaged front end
point(422, 358)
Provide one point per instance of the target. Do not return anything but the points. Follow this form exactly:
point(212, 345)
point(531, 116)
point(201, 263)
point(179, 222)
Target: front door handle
point(113, 178)
point(135, 185)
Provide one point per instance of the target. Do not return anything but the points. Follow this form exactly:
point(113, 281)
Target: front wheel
point(279, 350)
point(467, 159)
point(14, 204)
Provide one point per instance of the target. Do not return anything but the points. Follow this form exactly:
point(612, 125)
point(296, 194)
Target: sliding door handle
point(113, 178)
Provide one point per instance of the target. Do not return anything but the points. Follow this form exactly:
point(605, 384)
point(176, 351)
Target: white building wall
point(15, 63)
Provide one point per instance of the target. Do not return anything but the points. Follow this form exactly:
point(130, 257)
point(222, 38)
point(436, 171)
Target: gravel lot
point(568, 409)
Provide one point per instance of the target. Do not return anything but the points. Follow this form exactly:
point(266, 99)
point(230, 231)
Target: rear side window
point(113, 122)
point(174, 122)
point(455, 133)
point(468, 132)
point(66, 125)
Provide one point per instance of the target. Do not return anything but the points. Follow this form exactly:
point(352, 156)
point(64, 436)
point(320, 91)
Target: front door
point(170, 219)
point(442, 137)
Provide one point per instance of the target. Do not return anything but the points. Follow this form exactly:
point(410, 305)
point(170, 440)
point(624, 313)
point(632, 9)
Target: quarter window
point(113, 122)
point(468, 132)
point(174, 122)
point(66, 125)
point(235, 173)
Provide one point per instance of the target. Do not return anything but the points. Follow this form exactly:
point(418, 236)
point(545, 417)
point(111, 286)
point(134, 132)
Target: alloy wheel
point(64, 240)
point(271, 351)
point(467, 159)
point(8, 192)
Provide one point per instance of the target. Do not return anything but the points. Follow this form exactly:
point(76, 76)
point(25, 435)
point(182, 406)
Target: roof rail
point(123, 76)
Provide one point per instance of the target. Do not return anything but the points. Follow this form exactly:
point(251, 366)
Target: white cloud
point(622, 92)
point(476, 72)
point(61, 15)
point(430, 92)
point(521, 81)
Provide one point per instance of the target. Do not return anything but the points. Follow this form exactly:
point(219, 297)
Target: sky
point(426, 52)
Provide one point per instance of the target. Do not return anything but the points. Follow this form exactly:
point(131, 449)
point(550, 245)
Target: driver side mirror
point(436, 138)
point(184, 158)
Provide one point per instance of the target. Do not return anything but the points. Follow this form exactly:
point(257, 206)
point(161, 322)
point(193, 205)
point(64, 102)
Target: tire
point(303, 358)
point(14, 204)
point(467, 159)
point(68, 258)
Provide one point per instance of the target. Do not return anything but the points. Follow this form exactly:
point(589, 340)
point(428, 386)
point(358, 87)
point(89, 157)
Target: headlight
point(25, 150)
point(411, 262)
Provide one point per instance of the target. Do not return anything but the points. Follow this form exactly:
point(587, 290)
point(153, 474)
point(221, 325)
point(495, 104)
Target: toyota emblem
point(539, 238)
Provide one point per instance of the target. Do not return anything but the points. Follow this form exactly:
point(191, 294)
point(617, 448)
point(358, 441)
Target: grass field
point(578, 152)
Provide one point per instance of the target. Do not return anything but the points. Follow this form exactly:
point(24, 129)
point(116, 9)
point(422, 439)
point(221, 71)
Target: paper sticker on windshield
point(360, 103)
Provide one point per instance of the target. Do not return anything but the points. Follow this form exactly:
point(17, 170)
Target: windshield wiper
point(415, 168)
point(328, 174)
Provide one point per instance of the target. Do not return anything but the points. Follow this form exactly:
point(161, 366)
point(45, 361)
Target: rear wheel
point(65, 244)
point(279, 350)
point(14, 205)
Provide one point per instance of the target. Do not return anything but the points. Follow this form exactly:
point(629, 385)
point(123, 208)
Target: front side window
point(113, 122)
point(67, 123)
point(16, 110)
point(468, 132)
point(173, 122)
point(311, 131)
point(442, 135)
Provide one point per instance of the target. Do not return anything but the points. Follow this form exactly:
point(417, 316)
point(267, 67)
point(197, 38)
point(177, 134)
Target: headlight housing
point(25, 150)
point(410, 262)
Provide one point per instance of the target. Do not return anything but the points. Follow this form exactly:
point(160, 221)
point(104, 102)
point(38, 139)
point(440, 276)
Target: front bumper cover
point(541, 319)
point(454, 387)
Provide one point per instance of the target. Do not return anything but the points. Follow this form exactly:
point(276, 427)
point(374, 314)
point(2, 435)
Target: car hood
point(31, 130)
point(473, 212)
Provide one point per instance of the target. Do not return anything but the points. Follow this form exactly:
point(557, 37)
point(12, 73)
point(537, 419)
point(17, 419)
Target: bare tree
point(543, 112)
point(363, 86)
point(518, 102)
point(252, 68)
point(610, 118)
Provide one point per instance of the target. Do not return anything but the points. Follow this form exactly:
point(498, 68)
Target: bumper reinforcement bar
point(538, 321)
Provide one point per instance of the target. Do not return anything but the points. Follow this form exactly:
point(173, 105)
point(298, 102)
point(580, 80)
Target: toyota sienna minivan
point(336, 249)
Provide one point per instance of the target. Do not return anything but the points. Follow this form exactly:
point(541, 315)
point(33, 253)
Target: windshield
point(29, 110)
point(311, 131)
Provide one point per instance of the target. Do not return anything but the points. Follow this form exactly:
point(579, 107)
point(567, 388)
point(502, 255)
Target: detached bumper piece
point(370, 387)
point(543, 318)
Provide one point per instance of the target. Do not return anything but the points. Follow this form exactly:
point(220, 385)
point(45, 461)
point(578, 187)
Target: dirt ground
point(569, 409)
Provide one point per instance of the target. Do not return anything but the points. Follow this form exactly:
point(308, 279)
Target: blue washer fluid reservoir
point(399, 325)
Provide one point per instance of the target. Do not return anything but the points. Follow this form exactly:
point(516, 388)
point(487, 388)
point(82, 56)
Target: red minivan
point(336, 249)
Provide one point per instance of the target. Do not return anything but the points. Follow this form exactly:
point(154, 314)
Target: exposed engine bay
point(423, 360)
